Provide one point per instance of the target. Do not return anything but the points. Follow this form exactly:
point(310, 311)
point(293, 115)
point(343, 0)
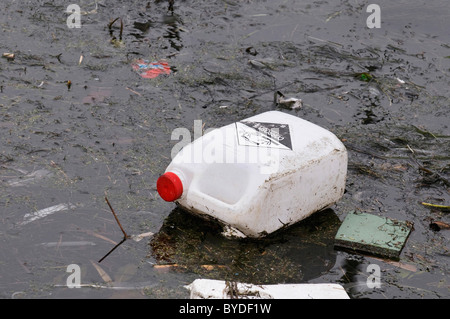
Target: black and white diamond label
point(262, 134)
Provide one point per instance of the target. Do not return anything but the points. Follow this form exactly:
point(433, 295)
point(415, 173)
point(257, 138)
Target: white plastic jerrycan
point(258, 175)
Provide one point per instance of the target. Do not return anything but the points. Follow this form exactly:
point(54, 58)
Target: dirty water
point(78, 122)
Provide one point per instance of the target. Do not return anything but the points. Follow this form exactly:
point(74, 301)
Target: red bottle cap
point(169, 186)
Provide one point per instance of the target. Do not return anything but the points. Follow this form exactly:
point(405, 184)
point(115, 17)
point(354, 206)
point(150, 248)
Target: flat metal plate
point(373, 234)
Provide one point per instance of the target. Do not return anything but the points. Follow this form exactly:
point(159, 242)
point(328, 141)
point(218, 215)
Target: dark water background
point(384, 92)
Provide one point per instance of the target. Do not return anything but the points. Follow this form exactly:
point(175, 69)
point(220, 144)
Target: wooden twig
point(125, 236)
point(111, 23)
point(109, 252)
point(121, 29)
point(115, 216)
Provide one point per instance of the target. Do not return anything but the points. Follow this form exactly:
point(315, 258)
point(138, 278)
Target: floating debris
point(131, 90)
point(373, 234)
point(106, 278)
point(150, 70)
point(289, 103)
point(441, 207)
point(114, 40)
point(263, 63)
point(8, 56)
point(68, 244)
point(366, 77)
point(251, 51)
point(141, 236)
point(31, 217)
point(439, 225)
point(168, 267)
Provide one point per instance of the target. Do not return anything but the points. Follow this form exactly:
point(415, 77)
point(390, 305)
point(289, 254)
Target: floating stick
point(125, 236)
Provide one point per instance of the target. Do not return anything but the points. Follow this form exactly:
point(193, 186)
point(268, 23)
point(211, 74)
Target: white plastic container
point(258, 175)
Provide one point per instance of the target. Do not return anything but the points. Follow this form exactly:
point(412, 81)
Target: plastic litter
point(288, 103)
point(31, 217)
point(8, 56)
point(141, 236)
point(373, 234)
point(150, 70)
point(217, 289)
point(258, 175)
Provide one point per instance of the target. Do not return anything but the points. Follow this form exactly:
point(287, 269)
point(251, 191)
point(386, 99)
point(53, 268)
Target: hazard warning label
point(263, 134)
